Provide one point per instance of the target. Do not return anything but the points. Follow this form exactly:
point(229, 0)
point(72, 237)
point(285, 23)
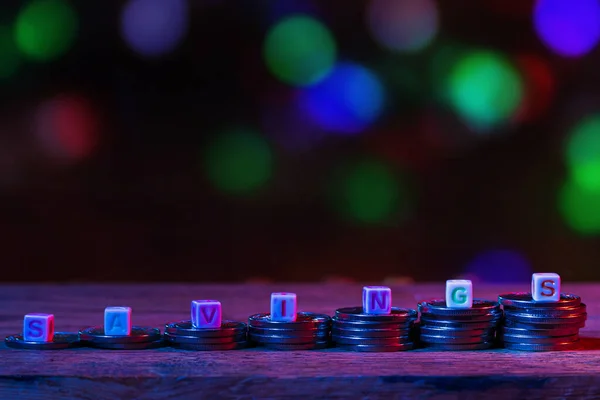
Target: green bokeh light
point(239, 161)
point(370, 193)
point(45, 29)
point(484, 89)
point(9, 54)
point(299, 50)
point(583, 153)
point(580, 208)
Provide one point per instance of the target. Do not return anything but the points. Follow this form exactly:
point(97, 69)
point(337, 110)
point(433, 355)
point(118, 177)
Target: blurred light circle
point(484, 89)
point(500, 265)
point(299, 50)
point(154, 28)
point(539, 86)
point(583, 153)
point(569, 28)
point(10, 58)
point(238, 161)
point(580, 208)
point(45, 29)
point(347, 101)
point(403, 25)
point(66, 127)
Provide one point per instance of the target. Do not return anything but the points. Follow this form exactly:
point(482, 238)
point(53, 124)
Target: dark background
point(137, 204)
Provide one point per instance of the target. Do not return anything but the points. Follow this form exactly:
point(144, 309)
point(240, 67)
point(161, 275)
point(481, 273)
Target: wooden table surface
point(257, 373)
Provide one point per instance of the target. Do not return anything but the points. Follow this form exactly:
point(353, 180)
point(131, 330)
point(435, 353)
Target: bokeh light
point(66, 128)
point(238, 161)
point(484, 89)
point(539, 86)
point(580, 208)
point(583, 153)
point(347, 101)
point(403, 25)
point(569, 28)
point(154, 28)
point(45, 29)
point(299, 50)
point(499, 266)
point(10, 58)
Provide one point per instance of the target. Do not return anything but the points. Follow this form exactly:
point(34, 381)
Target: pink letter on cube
point(117, 321)
point(545, 286)
point(283, 307)
point(38, 328)
point(206, 314)
point(377, 300)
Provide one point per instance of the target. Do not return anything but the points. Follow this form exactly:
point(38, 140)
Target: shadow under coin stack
point(541, 326)
point(206, 331)
point(444, 328)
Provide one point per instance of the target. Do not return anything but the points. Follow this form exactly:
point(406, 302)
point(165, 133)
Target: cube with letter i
point(38, 328)
point(117, 321)
point(459, 293)
point(377, 300)
point(283, 307)
point(545, 286)
point(206, 314)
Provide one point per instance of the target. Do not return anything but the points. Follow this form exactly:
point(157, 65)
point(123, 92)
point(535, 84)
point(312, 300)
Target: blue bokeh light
point(499, 266)
point(569, 28)
point(153, 28)
point(347, 101)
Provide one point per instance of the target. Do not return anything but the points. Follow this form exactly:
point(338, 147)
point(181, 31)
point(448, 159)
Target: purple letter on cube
point(117, 321)
point(38, 328)
point(377, 300)
point(206, 314)
point(283, 307)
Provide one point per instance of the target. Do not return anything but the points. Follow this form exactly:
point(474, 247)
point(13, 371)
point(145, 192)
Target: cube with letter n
point(38, 328)
point(206, 314)
point(117, 321)
point(377, 300)
point(545, 286)
point(459, 293)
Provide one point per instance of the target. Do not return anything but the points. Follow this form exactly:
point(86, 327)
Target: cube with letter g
point(206, 314)
point(459, 293)
point(377, 300)
point(117, 321)
point(545, 286)
point(283, 307)
point(38, 328)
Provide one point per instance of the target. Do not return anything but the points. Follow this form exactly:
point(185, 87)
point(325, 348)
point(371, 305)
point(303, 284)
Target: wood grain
point(256, 373)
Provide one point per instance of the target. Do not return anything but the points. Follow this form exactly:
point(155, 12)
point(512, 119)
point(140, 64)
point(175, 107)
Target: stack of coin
point(444, 328)
point(183, 335)
point(141, 338)
point(309, 331)
point(355, 330)
point(541, 326)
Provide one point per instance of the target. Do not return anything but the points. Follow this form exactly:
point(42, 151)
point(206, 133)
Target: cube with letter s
point(545, 286)
point(38, 328)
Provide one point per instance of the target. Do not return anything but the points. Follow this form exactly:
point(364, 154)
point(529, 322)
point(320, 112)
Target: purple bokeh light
point(499, 266)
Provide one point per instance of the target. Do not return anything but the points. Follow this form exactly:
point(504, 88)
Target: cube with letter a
point(459, 293)
point(377, 300)
point(283, 307)
point(117, 321)
point(545, 286)
point(206, 314)
point(38, 328)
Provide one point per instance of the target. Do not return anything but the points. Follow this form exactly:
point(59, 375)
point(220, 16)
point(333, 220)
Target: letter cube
point(283, 307)
point(545, 286)
point(117, 321)
point(459, 293)
point(206, 314)
point(377, 300)
point(38, 328)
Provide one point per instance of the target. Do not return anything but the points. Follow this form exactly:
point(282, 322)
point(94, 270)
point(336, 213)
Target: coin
point(128, 346)
point(289, 332)
point(372, 325)
point(370, 341)
point(356, 314)
point(185, 328)
point(538, 340)
point(542, 347)
point(209, 340)
point(61, 340)
point(378, 348)
point(294, 347)
point(554, 312)
point(370, 333)
point(460, 325)
point(528, 325)
point(449, 332)
point(490, 317)
point(210, 347)
point(459, 347)
point(286, 339)
point(524, 300)
point(307, 320)
point(539, 332)
point(480, 307)
point(538, 319)
point(455, 340)
point(138, 335)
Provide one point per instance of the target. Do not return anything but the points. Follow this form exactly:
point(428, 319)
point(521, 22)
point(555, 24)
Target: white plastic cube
point(545, 286)
point(377, 300)
point(38, 328)
point(117, 321)
point(283, 307)
point(459, 293)
point(206, 314)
